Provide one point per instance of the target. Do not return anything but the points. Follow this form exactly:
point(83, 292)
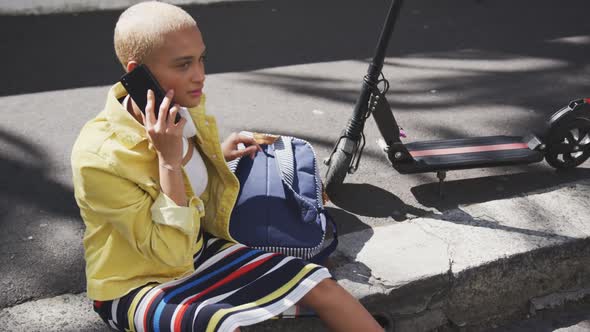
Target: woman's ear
point(131, 65)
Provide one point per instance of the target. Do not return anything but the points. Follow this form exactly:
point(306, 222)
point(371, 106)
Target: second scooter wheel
point(569, 144)
point(337, 170)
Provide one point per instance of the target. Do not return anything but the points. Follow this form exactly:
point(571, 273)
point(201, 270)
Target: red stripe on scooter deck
point(469, 149)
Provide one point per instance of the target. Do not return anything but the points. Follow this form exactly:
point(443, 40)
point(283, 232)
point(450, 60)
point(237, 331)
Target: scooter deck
point(478, 152)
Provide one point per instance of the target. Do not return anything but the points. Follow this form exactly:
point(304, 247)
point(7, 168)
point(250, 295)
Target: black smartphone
point(137, 82)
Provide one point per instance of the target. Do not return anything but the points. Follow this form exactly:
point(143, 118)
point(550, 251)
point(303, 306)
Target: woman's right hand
point(164, 134)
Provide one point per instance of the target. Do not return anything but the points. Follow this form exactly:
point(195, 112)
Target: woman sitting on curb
point(156, 197)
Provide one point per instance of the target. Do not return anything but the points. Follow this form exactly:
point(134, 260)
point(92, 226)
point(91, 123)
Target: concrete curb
point(470, 273)
point(442, 271)
point(477, 298)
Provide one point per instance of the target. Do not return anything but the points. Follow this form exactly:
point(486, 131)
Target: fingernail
point(170, 92)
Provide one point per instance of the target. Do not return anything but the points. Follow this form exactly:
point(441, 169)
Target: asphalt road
point(457, 68)
point(42, 7)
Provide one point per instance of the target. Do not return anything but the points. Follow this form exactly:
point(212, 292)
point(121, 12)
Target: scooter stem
point(377, 64)
point(356, 123)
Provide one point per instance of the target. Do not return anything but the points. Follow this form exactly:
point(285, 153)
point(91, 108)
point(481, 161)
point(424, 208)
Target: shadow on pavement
point(343, 263)
point(371, 201)
point(346, 222)
point(40, 226)
point(35, 186)
point(571, 316)
point(64, 51)
point(485, 189)
point(460, 217)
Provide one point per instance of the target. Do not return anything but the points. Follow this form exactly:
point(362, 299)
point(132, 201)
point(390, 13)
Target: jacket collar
point(127, 129)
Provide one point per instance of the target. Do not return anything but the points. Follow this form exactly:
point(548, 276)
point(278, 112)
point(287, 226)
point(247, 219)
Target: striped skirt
point(232, 286)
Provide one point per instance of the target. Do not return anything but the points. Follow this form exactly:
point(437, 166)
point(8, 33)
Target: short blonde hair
point(141, 29)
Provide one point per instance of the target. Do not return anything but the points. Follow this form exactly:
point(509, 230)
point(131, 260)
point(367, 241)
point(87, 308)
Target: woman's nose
point(198, 74)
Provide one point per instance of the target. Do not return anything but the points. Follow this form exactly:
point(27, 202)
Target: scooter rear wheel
point(337, 169)
point(569, 144)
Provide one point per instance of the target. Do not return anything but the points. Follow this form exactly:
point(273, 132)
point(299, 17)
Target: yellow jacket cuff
point(166, 212)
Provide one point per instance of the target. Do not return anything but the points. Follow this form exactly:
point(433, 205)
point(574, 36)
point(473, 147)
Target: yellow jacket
point(136, 234)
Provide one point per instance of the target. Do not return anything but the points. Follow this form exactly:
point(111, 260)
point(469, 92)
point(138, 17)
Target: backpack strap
point(321, 256)
point(284, 156)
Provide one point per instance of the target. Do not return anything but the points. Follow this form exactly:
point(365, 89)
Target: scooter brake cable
point(358, 151)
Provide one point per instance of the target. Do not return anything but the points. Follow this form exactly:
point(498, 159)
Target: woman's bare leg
point(339, 310)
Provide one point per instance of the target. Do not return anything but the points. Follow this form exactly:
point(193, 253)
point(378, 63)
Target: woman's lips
point(196, 93)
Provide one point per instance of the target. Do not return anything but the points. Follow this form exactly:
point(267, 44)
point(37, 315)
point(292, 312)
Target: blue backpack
point(280, 204)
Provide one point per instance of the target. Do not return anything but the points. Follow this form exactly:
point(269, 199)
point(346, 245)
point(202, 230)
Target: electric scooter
point(564, 142)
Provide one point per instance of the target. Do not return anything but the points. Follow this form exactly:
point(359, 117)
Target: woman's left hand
point(229, 147)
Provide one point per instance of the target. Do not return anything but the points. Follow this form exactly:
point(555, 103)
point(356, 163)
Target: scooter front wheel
point(569, 144)
point(337, 169)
